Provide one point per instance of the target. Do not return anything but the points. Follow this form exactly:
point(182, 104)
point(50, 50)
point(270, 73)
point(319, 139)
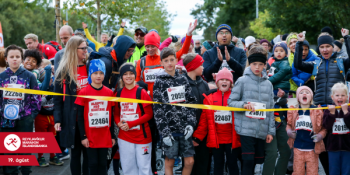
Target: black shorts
point(181, 147)
point(253, 149)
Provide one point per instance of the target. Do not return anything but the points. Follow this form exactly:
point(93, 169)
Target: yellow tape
point(131, 100)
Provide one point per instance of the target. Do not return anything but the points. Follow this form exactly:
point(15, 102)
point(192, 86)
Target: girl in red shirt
point(219, 125)
point(134, 139)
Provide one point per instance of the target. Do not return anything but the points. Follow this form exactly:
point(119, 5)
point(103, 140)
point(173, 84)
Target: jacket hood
point(18, 72)
point(248, 72)
point(122, 45)
point(163, 74)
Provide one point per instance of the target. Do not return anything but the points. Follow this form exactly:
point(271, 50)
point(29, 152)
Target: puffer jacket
point(300, 77)
point(316, 117)
point(172, 119)
point(282, 74)
point(252, 88)
point(327, 75)
point(207, 122)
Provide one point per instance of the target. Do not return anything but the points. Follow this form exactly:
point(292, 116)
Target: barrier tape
point(131, 100)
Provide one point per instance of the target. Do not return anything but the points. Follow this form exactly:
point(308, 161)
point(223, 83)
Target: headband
point(195, 63)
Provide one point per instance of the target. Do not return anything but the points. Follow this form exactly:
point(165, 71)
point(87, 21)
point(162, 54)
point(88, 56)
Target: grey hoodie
point(251, 88)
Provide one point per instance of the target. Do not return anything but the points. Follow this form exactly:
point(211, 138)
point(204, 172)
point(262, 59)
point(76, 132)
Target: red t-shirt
point(82, 78)
point(97, 128)
point(224, 131)
point(128, 111)
point(49, 51)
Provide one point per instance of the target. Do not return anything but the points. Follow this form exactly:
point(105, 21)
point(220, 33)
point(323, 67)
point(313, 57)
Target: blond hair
point(45, 62)
point(121, 82)
point(31, 36)
point(69, 62)
point(339, 86)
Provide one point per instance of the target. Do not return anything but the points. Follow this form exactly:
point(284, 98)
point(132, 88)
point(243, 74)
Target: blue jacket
point(91, 44)
point(300, 77)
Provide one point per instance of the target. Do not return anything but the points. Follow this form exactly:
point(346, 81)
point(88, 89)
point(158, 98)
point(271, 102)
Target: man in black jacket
point(197, 47)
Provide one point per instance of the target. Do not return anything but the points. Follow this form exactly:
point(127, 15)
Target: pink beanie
point(304, 88)
point(224, 74)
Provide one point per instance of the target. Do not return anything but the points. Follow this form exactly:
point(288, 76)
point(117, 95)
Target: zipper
point(325, 97)
point(259, 101)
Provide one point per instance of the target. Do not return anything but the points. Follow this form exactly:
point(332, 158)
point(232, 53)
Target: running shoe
point(56, 161)
point(42, 162)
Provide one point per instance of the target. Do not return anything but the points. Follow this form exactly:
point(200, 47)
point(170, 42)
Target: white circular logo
point(1, 40)
point(12, 142)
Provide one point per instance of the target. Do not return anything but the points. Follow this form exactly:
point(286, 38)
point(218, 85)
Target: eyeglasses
point(224, 33)
point(130, 51)
point(140, 34)
point(83, 48)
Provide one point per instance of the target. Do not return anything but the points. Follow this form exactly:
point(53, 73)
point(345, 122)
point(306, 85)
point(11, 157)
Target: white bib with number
point(131, 117)
point(303, 123)
point(257, 114)
point(13, 95)
point(176, 94)
point(99, 119)
point(223, 117)
point(272, 71)
point(151, 75)
point(339, 127)
point(11, 112)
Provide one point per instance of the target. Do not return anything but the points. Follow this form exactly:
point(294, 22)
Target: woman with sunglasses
point(71, 77)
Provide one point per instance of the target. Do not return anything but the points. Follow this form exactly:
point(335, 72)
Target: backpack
point(54, 44)
point(138, 96)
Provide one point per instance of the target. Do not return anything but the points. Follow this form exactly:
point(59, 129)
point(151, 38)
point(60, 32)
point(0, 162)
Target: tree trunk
point(98, 20)
point(58, 19)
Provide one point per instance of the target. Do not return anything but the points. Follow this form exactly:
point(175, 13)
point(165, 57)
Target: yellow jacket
point(98, 44)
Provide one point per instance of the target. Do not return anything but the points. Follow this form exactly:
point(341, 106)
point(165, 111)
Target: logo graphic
point(169, 89)
point(12, 142)
point(11, 112)
point(145, 150)
point(146, 71)
point(13, 80)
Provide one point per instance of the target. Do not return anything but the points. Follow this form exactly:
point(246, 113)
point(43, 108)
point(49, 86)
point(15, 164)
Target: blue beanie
point(223, 26)
point(96, 65)
point(281, 44)
point(154, 31)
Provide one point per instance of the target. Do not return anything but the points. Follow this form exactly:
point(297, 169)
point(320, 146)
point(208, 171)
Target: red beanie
point(224, 74)
point(152, 38)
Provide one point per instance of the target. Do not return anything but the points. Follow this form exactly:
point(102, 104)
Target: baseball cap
point(143, 29)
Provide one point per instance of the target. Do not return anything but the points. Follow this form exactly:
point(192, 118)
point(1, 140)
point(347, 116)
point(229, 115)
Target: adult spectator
point(224, 54)
point(104, 36)
point(140, 48)
point(206, 45)
point(65, 33)
point(197, 47)
point(338, 44)
point(32, 42)
point(267, 46)
point(249, 40)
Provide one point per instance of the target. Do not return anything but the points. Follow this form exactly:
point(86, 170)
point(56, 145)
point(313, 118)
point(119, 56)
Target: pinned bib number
point(223, 117)
point(176, 94)
point(11, 112)
point(151, 75)
point(303, 123)
point(13, 95)
point(131, 117)
point(257, 114)
point(339, 127)
point(99, 119)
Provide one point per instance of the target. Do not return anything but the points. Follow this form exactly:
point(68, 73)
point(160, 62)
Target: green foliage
point(259, 28)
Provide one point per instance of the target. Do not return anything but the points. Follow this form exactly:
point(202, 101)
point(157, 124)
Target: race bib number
point(272, 71)
point(257, 114)
point(303, 123)
point(151, 75)
point(339, 127)
point(13, 95)
point(131, 117)
point(223, 117)
point(128, 108)
point(11, 112)
point(176, 94)
point(99, 119)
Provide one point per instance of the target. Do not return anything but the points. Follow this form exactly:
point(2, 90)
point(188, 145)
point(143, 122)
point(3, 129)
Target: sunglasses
point(140, 34)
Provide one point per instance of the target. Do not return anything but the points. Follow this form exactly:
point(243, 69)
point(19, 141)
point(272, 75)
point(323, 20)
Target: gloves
point(188, 131)
point(167, 140)
point(174, 39)
point(317, 137)
point(291, 134)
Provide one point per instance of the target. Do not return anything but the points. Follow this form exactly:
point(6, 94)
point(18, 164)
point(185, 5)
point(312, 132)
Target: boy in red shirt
point(94, 119)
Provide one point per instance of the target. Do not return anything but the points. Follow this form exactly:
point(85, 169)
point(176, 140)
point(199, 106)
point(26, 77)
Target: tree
point(259, 28)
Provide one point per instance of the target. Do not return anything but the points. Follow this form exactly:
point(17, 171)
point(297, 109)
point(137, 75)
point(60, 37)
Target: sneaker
point(56, 161)
point(177, 162)
point(42, 162)
point(64, 155)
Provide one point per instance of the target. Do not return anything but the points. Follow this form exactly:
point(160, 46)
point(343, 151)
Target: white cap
point(249, 40)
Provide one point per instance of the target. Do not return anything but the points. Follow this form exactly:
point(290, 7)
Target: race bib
point(176, 94)
point(257, 114)
point(303, 123)
point(339, 127)
point(11, 112)
point(272, 71)
point(99, 119)
point(223, 117)
point(128, 108)
point(131, 117)
point(151, 75)
point(13, 95)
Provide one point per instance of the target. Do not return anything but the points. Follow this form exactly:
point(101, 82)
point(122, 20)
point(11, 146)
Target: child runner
point(175, 123)
point(95, 119)
point(253, 91)
point(17, 110)
point(337, 123)
point(32, 61)
point(219, 125)
point(305, 133)
point(134, 139)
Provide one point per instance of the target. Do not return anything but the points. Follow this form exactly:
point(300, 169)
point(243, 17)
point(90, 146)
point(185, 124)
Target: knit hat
point(257, 57)
point(242, 39)
point(327, 29)
point(154, 30)
point(207, 45)
point(152, 38)
point(125, 68)
point(249, 40)
point(96, 65)
point(290, 37)
point(325, 39)
point(183, 40)
point(337, 43)
point(224, 74)
point(304, 88)
point(264, 41)
point(284, 37)
point(223, 26)
point(281, 44)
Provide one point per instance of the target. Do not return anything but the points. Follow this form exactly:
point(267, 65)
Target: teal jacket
point(282, 74)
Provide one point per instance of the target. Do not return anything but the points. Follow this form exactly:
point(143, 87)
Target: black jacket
point(328, 73)
point(198, 50)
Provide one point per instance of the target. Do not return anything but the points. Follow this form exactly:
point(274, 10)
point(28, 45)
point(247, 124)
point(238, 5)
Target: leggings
point(97, 160)
point(231, 158)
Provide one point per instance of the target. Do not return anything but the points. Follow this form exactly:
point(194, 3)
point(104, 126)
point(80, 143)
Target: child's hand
point(58, 126)
point(85, 143)
point(344, 108)
point(214, 76)
point(317, 138)
point(301, 37)
point(250, 106)
point(125, 127)
point(269, 138)
point(195, 143)
point(234, 39)
point(113, 142)
point(291, 134)
point(331, 109)
point(344, 32)
point(280, 93)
